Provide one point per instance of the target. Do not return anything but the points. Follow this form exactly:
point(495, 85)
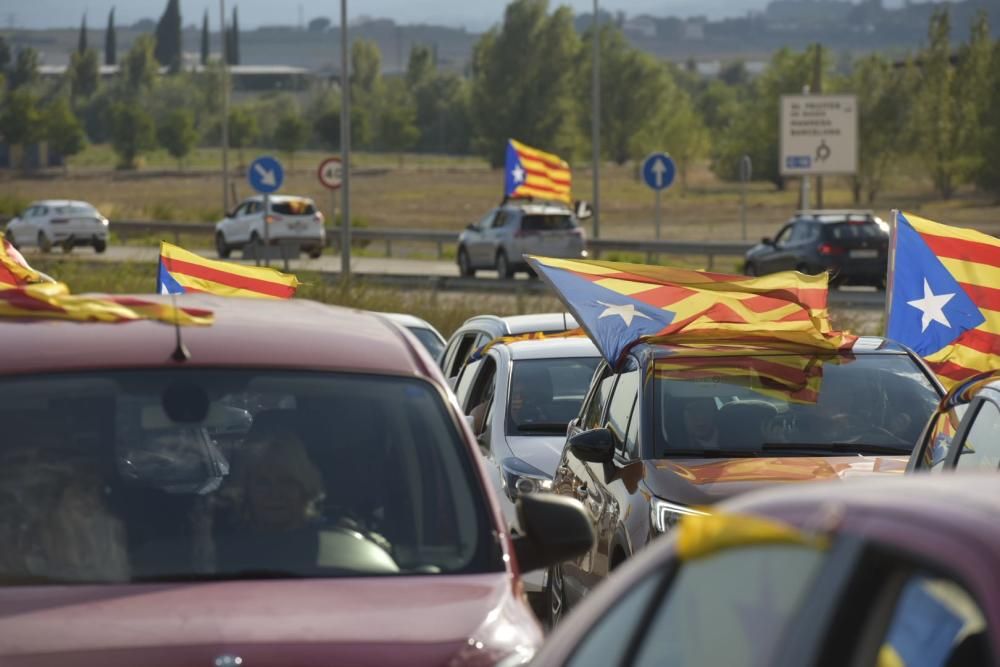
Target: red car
point(871, 573)
point(292, 485)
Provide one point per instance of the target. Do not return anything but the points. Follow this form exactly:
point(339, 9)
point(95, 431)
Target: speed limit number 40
point(330, 173)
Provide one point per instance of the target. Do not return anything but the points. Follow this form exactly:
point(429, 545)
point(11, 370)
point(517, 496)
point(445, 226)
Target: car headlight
point(519, 478)
point(104, 221)
point(664, 515)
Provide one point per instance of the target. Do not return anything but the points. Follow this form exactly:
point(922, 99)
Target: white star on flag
point(932, 307)
point(626, 311)
point(518, 174)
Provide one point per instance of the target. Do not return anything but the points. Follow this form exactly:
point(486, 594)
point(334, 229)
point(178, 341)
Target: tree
point(420, 66)
point(63, 130)
point(4, 54)
point(243, 130)
point(319, 24)
point(177, 134)
point(20, 119)
point(81, 44)
point(25, 70)
point(84, 73)
point(291, 135)
point(988, 174)
point(524, 82)
point(442, 114)
point(678, 128)
point(111, 41)
point(234, 39)
point(327, 126)
point(168, 37)
point(139, 67)
point(366, 67)
point(205, 42)
point(132, 133)
point(397, 129)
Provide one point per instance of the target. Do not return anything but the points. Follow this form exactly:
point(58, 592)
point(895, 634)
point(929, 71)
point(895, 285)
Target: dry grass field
point(434, 192)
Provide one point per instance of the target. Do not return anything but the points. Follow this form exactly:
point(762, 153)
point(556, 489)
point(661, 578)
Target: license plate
point(297, 225)
point(864, 254)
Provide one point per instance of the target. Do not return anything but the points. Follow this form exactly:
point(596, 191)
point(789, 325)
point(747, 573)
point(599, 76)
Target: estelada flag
point(529, 172)
point(183, 272)
point(944, 296)
point(619, 304)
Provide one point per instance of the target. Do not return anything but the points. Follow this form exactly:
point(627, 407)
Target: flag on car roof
point(944, 296)
point(529, 172)
point(51, 300)
point(183, 272)
point(619, 304)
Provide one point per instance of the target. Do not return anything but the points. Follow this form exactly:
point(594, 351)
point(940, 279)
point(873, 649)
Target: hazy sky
point(472, 14)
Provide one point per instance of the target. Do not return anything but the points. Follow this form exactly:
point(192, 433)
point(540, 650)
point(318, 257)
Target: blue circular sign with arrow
point(658, 170)
point(265, 174)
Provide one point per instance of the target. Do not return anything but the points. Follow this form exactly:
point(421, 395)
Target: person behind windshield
point(700, 422)
point(531, 392)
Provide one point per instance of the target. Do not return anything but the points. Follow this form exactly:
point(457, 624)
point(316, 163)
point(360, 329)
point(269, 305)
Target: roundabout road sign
point(329, 173)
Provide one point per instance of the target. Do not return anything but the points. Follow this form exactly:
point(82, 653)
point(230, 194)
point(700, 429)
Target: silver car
point(59, 222)
point(519, 398)
point(502, 238)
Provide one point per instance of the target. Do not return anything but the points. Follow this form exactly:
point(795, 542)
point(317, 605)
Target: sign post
point(658, 171)
point(819, 136)
point(746, 173)
point(266, 176)
point(329, 174)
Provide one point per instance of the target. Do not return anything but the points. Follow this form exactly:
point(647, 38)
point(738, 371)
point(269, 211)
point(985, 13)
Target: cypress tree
point(236, 36)
point(81, 45)
point(111, 41)
point(168, 36)
point(204, 39)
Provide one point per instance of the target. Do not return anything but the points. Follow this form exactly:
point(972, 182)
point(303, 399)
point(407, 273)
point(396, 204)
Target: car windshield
point(429, 340)
point(545, 394)
point(163, 475)
point(547, 223)
point(293, 207)
point(779, 405)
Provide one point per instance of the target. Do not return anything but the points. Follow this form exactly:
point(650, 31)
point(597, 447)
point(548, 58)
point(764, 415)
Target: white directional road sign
point(819, 135)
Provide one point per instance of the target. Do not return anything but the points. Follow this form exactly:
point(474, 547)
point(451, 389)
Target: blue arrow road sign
point(265, 174)
point(658, 171)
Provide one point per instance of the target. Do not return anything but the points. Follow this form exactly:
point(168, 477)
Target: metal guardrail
point(710, 249)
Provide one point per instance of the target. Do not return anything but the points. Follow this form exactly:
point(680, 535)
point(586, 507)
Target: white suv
point(294, 219)
point(60, 222)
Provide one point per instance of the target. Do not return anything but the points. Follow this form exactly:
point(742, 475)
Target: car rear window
point(231, 474)
point(545, 394)
point(547, 223)
point(74, 210)
point(293, 207)
point(842, 231)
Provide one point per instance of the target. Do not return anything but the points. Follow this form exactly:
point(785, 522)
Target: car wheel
point(44, 243)
point(9, 235)
point(750, 269)
point(100, 246)
point(556, 594)
point(464, 264)
point(221, 247)
point(316, 253)
point(503, 266)
point(252, 248)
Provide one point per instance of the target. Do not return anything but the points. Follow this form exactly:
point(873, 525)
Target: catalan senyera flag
point(945, 296)
point(183, 272)
point(619, 304)
point(51, 300)
point(534, 335)
point(14, 270)
point(529, 172)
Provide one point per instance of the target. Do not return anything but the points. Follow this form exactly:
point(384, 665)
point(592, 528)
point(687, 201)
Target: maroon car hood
point(431, 620)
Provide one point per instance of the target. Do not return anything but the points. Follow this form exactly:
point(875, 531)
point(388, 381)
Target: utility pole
point(345, 149)
point(817, 87)
point(225, 107)
point(595, 111)
point(804, 191)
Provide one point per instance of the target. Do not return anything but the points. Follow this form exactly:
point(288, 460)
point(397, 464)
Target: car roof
point(539, 208)
point(278, 198)
point(60, 202)
point(522, 324)
point(553, 348)
point(278, 333)
point(811, 212)
point(863, 345)
point(410, 321)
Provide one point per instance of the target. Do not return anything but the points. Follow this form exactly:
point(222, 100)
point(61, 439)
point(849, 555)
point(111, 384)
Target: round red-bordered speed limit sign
point(329, 173)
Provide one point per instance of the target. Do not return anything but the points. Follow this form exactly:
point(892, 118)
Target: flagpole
point(890, 270)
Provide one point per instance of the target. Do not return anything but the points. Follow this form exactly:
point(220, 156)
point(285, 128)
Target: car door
point(477, 244)
point(769, 260)
point(788, 246)
point(20, 227)
point(231, 225)
point(979, 440)
point(459, 348)
point(501, 236)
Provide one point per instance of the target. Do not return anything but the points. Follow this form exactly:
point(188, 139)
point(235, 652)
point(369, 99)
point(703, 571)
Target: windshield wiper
point(542, 427)
point(710, 453)
point(838, 447)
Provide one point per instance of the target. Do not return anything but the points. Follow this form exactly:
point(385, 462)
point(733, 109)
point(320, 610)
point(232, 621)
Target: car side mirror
point(767, 240)
point(471, 227)
point(554, 529)
point(594, 446)
point(583, 210)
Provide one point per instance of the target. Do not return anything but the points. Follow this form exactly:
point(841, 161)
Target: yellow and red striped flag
point(183, 272)
point(14, 270)
point(944, 296)
point(530, 172)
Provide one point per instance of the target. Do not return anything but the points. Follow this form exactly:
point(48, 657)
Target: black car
point(853, 246)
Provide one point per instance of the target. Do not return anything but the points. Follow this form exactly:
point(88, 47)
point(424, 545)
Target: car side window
point(462, 350)
point(937, 446)
point(935, 622)
point(607, 642)
point(502, 219)
point(622, 402)
point(799, 232)
point(464, 383)
point(746, 595)
point(481, 394)
point(42, 210)
point(981, 449)
point(598, 400)
point(783, 236)
point(487, 220)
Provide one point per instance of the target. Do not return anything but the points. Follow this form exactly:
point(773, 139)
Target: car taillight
point(318, 216)
point(829, 250)
point(578, 231)
point(57, 221)
point(272, 218)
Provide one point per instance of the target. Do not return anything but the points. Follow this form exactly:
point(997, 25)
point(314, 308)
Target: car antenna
point(565, 323)
point(181, 353)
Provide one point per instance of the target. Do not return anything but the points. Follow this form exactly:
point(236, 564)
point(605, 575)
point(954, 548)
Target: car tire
point(750, 269)
point(315, 253)
point(465, 264)
point(504, 269)
point(44, 243)
point(100, 246)
point(9, 235)
point(555, 594)
point(252, 249)
point(222, 249)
